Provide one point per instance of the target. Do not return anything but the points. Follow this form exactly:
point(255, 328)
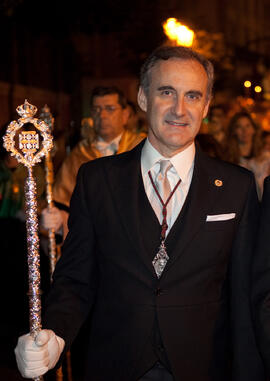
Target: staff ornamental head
point(29, 144)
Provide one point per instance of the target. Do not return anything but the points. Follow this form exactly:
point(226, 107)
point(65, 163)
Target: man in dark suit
point(261, 279)
point(159, 250)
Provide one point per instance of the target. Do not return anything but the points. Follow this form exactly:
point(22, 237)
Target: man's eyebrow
point(166, 88)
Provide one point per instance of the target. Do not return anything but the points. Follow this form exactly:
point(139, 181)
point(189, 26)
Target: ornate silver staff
point(29, 153)
point(49, 120)
point(46, 115)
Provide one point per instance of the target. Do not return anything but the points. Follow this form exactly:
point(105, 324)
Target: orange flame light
point(178, 32)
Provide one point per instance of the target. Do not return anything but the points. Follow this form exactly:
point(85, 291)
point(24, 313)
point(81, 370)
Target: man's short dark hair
point(101, 91)
point(184, 53)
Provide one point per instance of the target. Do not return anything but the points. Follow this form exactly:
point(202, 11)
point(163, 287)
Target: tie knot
point(165, 165)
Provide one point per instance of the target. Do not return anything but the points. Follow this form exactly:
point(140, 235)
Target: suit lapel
point(136, 214)
point(149, 225)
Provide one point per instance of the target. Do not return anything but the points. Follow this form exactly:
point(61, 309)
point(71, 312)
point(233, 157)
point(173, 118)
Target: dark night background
point(63, 48)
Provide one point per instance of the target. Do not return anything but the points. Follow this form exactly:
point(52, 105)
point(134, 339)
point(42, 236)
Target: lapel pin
point(218, 183)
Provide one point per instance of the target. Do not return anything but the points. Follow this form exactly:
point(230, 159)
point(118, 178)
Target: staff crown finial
point(26, 110)
point(45, 109)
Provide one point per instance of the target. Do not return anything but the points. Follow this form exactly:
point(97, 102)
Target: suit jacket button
point(159, 291)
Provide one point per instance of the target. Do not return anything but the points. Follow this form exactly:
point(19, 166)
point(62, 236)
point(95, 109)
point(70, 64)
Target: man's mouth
point(178, 124)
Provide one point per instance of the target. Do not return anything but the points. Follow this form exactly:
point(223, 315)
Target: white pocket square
point(220, 217)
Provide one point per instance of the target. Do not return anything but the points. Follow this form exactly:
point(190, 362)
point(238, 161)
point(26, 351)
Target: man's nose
point(103, 112)
point(179, 106)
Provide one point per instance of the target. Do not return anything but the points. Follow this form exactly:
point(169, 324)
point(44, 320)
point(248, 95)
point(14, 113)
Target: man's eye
point(166, 92)
point(193, 96)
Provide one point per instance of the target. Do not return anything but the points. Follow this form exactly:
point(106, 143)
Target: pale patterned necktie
point(162, 183)
point(164, 194)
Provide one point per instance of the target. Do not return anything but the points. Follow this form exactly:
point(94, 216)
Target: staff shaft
point(33, 257)
point(49, 196)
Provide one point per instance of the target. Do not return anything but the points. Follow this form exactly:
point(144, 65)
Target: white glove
point(51, 218)
point(36, 357)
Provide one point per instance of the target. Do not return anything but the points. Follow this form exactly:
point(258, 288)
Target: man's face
point(109, 116)
point(175, 104)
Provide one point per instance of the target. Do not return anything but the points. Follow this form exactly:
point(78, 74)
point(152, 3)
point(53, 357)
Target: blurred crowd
point(115, 125)
point(241, 137)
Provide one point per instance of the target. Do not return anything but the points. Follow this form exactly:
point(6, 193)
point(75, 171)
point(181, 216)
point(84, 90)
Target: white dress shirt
point(108, 148)
point(183, 165)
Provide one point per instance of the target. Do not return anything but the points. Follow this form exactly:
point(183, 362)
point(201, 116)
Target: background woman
point(245, 147)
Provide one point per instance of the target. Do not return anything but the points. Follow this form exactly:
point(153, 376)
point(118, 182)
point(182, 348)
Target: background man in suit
point(159, 250)
point(261, 279)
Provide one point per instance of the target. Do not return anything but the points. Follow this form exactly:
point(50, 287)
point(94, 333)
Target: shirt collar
point(182, 162)
point(113, 143)
point(115, 140)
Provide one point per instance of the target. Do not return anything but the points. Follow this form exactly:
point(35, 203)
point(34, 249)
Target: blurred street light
point(258, 89)
point(177, 32)
point(247, 84)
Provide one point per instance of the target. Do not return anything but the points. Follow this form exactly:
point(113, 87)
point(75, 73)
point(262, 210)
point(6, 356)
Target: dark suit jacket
point(201, 301)
point(261, 279)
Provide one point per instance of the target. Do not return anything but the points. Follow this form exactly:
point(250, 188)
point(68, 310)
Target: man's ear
point(142, 100)
point(206, 107)
point(125, 115)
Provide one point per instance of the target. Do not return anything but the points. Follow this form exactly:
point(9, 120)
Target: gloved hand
point(51, 218)
point(36, 357)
